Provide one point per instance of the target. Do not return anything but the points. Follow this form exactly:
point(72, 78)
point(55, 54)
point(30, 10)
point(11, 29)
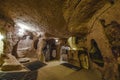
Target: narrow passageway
point(55, 71)
point(59, 39)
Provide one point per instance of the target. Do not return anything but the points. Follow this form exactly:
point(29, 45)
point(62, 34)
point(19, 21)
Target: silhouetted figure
point(52, 46)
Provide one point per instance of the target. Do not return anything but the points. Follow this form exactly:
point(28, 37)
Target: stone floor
point(55, 71)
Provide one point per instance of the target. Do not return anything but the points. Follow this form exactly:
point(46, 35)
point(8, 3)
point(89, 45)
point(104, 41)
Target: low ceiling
point(60, 18)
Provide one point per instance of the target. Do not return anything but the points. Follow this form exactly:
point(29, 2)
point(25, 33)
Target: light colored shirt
point(63, 49)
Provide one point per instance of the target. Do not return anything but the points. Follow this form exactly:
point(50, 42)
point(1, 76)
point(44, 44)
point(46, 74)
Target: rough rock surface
point(56, 17)
point(98, 32)
point(64, 18)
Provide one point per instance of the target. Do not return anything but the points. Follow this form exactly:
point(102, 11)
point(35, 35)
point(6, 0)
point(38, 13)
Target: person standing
point(64, 53)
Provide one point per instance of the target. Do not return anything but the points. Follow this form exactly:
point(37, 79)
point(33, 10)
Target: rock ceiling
point(56, 17)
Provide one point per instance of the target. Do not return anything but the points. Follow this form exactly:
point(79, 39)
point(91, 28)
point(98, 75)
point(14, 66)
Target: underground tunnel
point(59, 40)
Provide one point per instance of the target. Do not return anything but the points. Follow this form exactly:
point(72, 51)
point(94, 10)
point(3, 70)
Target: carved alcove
point(78, 55)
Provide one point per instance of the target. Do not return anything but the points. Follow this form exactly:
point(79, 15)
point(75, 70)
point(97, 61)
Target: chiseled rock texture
point(64, 18)
point(109, 13)
point(56, 17)
point(98, 32)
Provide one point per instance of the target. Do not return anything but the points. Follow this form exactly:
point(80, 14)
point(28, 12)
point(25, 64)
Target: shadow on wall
point(112, 31)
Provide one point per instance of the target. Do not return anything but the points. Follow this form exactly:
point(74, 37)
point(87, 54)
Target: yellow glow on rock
point(1, 37)
point(1, 46)
point(72, 44)
point(1, 43)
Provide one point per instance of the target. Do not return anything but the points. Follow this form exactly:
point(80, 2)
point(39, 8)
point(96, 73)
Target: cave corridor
point(59, 39)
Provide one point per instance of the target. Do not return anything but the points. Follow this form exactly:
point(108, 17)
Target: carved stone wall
point(98, 33)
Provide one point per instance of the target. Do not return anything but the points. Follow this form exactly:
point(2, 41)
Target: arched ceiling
point(60, 18)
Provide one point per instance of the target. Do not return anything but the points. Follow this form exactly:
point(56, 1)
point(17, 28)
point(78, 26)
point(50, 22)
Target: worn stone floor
point(55, 71)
